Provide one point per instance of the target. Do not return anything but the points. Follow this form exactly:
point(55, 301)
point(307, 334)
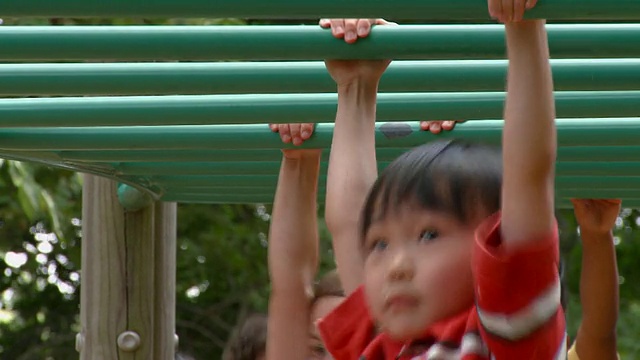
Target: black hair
point(329, 285)
point(248, 340)
point(454, 177)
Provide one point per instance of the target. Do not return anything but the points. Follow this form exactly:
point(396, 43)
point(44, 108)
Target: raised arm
point(596, 339)
point(352, 163)
point(516, 265)
point(293, 254)
point(529, 136)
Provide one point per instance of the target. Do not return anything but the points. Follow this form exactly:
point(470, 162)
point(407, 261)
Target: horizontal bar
point(571, 132)
point(572, 153)
point(562, 182)
point(611, 169)
point(207, 43)
point(295, 77)
point(288, 108)
point(269, 179)
point(291, 9)
point(561, 202)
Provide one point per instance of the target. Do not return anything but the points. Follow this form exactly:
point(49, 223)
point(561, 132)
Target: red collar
point(450, 328)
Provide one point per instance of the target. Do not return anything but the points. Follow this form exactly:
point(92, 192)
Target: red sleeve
point(518, 295)
point(348, 329)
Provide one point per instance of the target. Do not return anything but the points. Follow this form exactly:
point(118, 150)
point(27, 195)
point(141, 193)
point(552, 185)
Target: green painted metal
point(561, 202)
point(291, 9)
point(206, 43)
point(288, 108)
point(575, 179)
point(253, 177)
point(571, 132)
point(295, 77)
point(238, 163)
point(572, 153)
point(569, 183)
point(610, 169)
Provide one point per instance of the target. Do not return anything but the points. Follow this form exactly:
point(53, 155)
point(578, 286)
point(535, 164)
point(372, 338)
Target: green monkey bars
point(569, 153)
point(295, 77)
point(408, 42)
point(258, 137)
point(288, 108)
point(289, 9)
point(202, 135)
point(180, 163)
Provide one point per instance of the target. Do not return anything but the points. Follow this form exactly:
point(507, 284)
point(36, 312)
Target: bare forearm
point(352, 171)
point(599, 285)
point(529, 136)
point(293, 236)
point(288, 326)
point(352, 164)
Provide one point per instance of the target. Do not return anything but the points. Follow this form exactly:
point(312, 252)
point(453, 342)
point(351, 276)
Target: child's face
point(417, 270)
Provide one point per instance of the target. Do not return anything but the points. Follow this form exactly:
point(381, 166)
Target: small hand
point(293, 133)
point(596, 216)
point(435, 127)
point(345, 72)
point(507, 11)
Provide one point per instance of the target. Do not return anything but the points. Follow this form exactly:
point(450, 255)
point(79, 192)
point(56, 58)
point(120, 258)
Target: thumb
point(384, 22)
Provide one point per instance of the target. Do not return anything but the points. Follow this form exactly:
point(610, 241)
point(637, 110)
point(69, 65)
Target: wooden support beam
point(165, 280)
point(127, 305)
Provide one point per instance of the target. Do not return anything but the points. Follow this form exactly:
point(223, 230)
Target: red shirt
point(517, 315)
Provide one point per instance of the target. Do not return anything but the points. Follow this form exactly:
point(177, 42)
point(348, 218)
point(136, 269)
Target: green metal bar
point(290, 9)
point(287, 108)
point(571, 153)
point(140, 183)
point(571, 132)
point(271, 168)
point(206, 43)
point(295, 77)
point(563, 183)
point(561, 202)
point(269, 178)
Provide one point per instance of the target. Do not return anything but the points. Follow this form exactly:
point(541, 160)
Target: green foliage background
point(222, 273)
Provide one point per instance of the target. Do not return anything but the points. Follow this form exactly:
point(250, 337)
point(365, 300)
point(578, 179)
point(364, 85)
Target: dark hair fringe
point(455, 177)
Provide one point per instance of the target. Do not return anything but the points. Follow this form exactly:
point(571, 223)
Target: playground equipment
point(180, 143)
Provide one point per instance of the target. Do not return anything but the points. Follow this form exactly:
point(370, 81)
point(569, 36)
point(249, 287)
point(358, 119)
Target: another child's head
point(249, 340)
point(327, 295)
point(417, 232)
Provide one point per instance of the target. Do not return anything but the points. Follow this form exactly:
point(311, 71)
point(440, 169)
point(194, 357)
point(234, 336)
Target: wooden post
point(165, 280)
point(127, 301)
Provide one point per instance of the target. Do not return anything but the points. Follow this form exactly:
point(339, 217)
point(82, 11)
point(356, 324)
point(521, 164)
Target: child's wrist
point(303, 155)
point(596, 236)
point(360, 97)
point(360, 86)
point(527, 24)
point(525, 30)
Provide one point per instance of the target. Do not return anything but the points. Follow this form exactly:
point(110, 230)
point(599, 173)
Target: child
point(596, 337)
point(293, 234)
point(429, 290)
